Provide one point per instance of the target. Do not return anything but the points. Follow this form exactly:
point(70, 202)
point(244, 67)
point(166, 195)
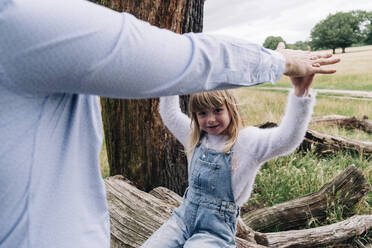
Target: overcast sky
point(255, 20)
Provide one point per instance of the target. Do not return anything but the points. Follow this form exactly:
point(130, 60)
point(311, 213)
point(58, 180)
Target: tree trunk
point(343, 49)
point(138, 145)
point(334, 50)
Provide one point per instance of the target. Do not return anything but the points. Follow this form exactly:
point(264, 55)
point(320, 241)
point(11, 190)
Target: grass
point(347, 107)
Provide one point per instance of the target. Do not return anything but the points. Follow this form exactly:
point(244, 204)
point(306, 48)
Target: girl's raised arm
point(174, 119)
point(264, 144)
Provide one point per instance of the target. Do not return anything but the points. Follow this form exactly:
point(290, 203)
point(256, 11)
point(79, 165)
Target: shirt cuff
point(273, 66)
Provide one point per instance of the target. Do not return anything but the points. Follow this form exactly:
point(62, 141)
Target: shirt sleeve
point(75, 46)
point(174, 119)
point(264, 144)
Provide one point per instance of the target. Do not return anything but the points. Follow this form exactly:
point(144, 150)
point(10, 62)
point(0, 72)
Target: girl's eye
point(218, 110)
point(201, 113)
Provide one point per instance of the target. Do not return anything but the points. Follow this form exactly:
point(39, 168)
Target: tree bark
point(345, 190)
point(242, 243)
point(138, 145)
point(134, 214)
point(167, 196)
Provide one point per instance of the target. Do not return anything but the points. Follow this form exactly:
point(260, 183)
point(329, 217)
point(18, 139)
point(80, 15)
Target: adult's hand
point(302, 63)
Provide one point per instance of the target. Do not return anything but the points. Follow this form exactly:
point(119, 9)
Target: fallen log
point(328, 144)
point(333, 234)
point(167, 195)
point(242, 243)
point(345, 122)
point(134, 214)
point(348, 188)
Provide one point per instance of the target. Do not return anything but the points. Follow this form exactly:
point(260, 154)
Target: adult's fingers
point(321, 70)
point(325, 61)
point(319, 55)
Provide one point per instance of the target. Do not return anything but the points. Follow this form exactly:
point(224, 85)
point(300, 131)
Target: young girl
point(223, 160)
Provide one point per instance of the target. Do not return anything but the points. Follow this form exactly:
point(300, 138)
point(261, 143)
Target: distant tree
point(272, 42)
point(338, 30)
point(368, 35)
point(365, 25)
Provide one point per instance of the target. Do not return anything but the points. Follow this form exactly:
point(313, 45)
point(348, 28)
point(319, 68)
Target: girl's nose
point(211, 118)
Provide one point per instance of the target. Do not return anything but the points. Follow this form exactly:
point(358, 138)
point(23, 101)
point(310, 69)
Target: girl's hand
point(302, 84)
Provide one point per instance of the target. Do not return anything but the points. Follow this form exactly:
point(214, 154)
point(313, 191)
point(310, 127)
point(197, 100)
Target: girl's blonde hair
point(211, 100)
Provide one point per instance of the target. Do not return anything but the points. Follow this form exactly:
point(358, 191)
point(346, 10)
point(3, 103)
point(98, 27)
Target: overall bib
point(208, 215)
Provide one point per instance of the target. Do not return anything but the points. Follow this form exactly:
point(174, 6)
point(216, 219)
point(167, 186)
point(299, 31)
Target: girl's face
point(214, 121)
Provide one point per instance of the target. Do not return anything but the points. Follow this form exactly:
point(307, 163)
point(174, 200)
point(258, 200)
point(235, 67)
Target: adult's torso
point(51, 190)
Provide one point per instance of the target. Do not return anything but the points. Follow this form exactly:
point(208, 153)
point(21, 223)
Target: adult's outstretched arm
point(75, 46)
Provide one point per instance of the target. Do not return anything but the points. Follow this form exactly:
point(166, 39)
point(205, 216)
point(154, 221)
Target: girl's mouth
point(213, 127)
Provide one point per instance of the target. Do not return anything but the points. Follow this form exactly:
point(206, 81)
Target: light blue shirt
point(56, 57)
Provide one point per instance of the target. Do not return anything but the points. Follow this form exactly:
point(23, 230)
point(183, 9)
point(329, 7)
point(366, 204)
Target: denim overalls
point(207, 217)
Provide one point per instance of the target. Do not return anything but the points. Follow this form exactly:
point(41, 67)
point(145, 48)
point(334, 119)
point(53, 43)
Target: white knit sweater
point(254, 146)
